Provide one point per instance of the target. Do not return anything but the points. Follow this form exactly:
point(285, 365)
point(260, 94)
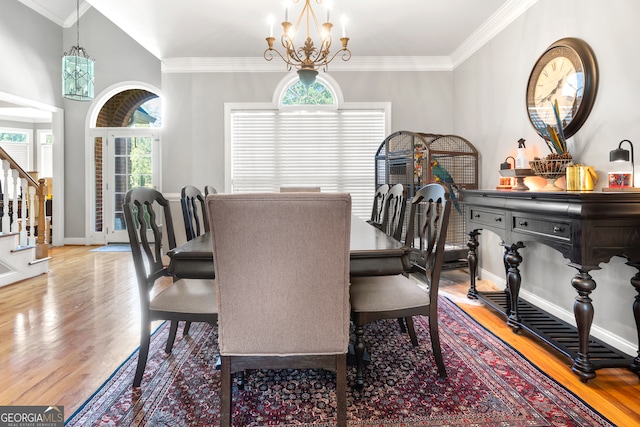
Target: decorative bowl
point(551, 170)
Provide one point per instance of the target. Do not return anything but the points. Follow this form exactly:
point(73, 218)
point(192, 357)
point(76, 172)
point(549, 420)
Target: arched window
point(306, 138)
point(316, 94)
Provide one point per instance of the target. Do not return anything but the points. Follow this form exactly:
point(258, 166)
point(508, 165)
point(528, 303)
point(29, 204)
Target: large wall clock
point(566, 73)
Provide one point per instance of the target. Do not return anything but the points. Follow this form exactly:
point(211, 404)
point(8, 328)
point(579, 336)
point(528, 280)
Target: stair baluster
point(23, 212)
point(6, 220)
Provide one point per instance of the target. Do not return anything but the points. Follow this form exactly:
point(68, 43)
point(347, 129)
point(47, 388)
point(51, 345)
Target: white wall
point(489, 92)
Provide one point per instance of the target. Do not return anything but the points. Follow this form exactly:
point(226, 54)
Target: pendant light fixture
point(77, 69)
point(308, 57)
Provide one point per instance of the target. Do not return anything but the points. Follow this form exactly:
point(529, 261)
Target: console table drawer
point(489, 218)
point(546, 227)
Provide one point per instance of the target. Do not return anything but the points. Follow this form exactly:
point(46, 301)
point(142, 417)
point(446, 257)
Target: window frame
point(29, 144)
point(231, 108)
point(41, 144)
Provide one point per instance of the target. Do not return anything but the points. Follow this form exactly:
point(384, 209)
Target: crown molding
point(70, 21)
point(504, 16)
point(67, 22)
point(257, 65)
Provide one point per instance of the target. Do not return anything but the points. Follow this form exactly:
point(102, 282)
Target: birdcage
point(406, 157)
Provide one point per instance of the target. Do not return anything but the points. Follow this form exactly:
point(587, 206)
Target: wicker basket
point(549, 169)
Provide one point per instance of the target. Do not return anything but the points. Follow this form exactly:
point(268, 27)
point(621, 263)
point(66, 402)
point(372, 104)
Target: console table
point(588, 228)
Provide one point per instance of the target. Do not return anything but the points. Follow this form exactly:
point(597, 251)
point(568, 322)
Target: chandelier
point(77, 69)
point(308, 58)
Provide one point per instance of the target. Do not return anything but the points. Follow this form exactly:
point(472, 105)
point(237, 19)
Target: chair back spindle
point(193, 212)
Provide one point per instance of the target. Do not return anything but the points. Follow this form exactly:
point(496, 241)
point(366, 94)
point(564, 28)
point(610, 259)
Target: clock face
point(564, 76)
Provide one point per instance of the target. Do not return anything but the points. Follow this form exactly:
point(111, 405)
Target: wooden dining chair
point(393, 211)
point(209, 189)
point(389, 297)
point(378, 204)
point(193, 214)
point(147, 215)
point(282, 274)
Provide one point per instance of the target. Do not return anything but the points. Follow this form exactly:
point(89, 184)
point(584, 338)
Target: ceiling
point(237, 28)
point(441, 32)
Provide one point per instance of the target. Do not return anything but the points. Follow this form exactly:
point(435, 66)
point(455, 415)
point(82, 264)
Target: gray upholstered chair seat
point(386, 293)
point(187, 296)
point(147, 215)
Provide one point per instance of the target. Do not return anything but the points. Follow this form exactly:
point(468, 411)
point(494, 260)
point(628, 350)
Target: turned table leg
point(583, 311)
point(359, 353)
point(635, 282)
point(513, 259)
point(472, 260)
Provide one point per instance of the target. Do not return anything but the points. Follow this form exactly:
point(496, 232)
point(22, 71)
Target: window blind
point(19, 151)
point(333, 150)
point(46, 160)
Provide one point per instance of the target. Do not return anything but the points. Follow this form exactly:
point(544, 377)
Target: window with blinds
point(45, 156)
point(333, 150)
point(16, 143)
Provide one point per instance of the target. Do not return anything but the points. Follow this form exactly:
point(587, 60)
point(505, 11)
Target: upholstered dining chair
point(282, 275)
point(389, 297)
point(147, 215)
point(195, 220)
point(393, 211)
point(378, 204)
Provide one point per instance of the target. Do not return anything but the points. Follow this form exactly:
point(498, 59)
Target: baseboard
point(81, 241)
point(602, 334)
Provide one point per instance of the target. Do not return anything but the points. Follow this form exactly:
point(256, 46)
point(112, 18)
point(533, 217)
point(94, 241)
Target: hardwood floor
point(65, 332)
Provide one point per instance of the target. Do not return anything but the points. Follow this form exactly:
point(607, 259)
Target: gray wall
point(193, 136)
point(489, 103)
point(482, 100)
point(118, 59)
point(31, 49)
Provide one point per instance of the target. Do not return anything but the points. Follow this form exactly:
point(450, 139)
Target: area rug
point(488, 384)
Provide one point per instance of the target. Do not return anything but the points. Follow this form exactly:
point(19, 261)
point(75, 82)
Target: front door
point(123, 159)
point(133, 161)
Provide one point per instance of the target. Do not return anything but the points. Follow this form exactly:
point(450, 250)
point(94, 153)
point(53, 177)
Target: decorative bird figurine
point(443, 176)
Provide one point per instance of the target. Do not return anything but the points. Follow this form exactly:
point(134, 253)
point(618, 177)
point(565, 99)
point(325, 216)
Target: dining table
point(372, 253)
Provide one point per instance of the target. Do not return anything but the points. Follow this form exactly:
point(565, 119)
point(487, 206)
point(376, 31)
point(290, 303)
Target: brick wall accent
point(118, 111)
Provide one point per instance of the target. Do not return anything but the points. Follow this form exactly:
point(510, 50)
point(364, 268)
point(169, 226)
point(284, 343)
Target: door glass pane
point(133, 163)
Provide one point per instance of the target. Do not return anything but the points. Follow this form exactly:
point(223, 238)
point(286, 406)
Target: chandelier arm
point(344, 52)
point(268, 55)
point(295, 55)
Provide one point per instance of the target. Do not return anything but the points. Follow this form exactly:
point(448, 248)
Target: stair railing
point(14, 212)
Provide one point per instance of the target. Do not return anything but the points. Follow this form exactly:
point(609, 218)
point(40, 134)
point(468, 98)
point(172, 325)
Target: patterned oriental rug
point(489, 384)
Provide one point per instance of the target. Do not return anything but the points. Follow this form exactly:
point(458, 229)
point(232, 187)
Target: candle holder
point(519, 175)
